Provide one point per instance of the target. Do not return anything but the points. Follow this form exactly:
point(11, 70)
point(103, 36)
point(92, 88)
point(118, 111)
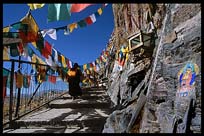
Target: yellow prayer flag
point(19, 80)
point(100, 11)
point(6, 29)
point(6, 53)
point(35, 6)
point(72, 27)
point(32, 26)
point(63, 61)
point(85, 66)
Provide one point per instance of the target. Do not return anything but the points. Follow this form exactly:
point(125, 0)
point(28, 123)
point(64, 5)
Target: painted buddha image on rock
point(186, 77)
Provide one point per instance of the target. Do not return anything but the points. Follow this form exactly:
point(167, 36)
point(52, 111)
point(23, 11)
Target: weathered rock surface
point(179, 42)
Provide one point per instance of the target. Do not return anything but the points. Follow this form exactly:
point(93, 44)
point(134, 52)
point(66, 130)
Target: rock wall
point(144, 92)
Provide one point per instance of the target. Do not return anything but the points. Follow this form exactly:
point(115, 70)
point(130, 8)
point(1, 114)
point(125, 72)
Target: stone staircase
point(86, 114)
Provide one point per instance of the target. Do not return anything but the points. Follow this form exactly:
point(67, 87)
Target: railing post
point(19, 91)
point(11, 94)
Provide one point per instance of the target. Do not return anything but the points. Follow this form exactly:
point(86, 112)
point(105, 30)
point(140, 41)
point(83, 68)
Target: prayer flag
point(99, 11)
point(26, 81)
point(93, 63)
point(35, 6)
point(50, 32)
point(47, 50)
point(70, 64)
point(82, 23)
point(6, 29)
point(72, 27)
point(5, 72)
point(52, 79)
point(50, 62)
point(31, 34)
point(79, 7)
point(58, 12)
point(20, 48)
point(88, 20)
point(85, 66)
point(63, 61)
point(6, 53)
point(19, 80)
point(14, 50)
point(54, 55)
point(93, 18)
point(59, 57)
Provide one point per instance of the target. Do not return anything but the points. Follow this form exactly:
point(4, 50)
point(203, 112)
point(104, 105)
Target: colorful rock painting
point(186, 77)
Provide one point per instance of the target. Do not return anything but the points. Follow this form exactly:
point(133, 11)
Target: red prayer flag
point(52, 79)
point(79, 7)
point(20, 48)
point(88, 20)
point(91, 65)
point(47, 50)
point(28, 37)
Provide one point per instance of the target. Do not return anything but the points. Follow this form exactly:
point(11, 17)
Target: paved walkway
point(64, 115)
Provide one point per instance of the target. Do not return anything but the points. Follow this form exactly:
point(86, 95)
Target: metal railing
point(20, 101)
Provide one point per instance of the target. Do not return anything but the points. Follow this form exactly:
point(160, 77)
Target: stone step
point(64, 117)
point(93, 92)
point(87, 97)
point(64, 129)
point(94, 89)
point(80, 103)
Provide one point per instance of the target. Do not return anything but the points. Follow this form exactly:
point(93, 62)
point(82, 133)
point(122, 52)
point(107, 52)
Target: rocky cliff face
point(158, 89)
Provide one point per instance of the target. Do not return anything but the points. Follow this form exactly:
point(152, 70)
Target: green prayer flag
point(82, 23)
point(14, 50)
point(40, 44)
point(58, 12)
point(5, 72)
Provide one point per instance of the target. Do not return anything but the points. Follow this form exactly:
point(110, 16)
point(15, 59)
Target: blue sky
point(83, 45)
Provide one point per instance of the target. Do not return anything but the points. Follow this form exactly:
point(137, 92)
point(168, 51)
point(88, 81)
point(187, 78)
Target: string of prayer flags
point(58, 12)
point(35, 6)
point(79, 7)
point(55, 11)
